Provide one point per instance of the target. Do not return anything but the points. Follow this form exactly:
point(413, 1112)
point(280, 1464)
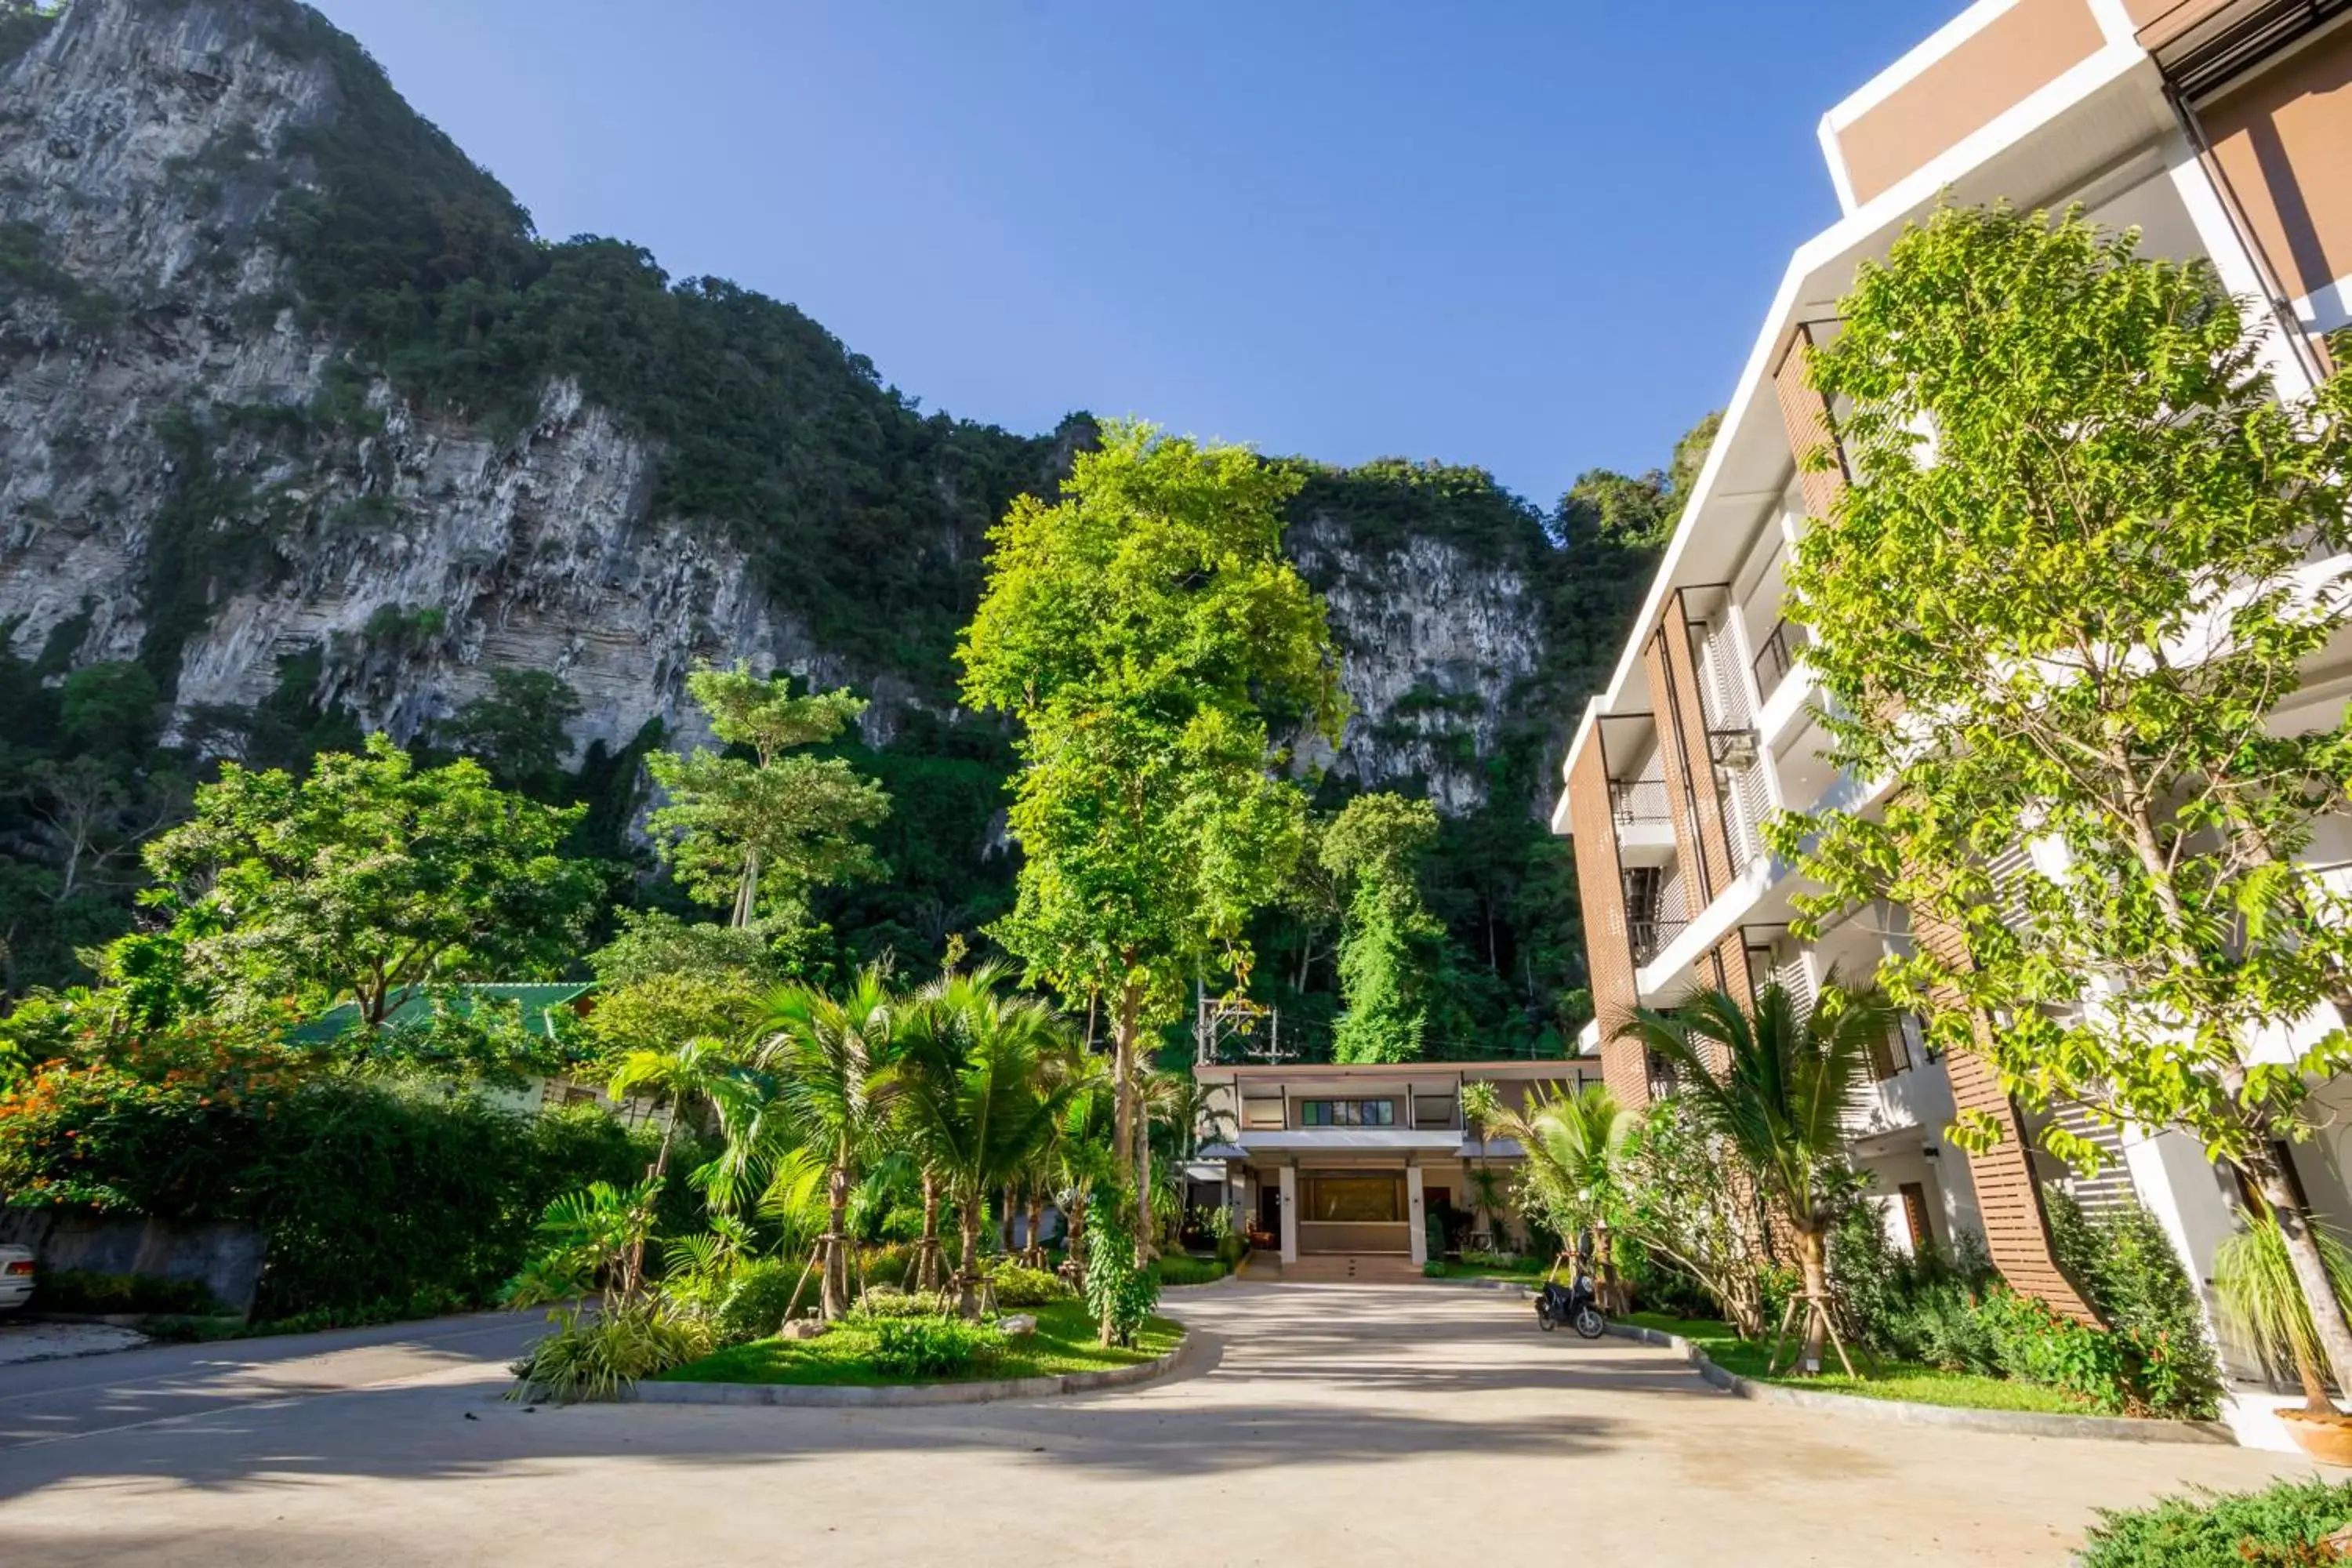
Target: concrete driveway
point(1407, 1424)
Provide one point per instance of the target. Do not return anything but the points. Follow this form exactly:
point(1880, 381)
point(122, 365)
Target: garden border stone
point(2019, 1422)
point(885, 1396)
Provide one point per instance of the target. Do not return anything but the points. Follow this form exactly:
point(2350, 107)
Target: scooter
point(1571, 1304)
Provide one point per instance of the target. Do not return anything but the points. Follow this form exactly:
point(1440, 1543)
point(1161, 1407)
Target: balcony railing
point(1650, 938)
point(1638, 800)
point(1778, 657)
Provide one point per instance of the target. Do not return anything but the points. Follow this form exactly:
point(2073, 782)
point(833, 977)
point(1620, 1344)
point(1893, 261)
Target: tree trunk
point(836, 1301)
point(2310, 1268)
point(747, 891)
point(634, 1271)
point(1122, 1069)
point(927, 1254)
point(1004, 1220)
point(1074, 1233)
point(968, 1269)
point(1147, 1245)
point(1815, 1258)
point(1036, 1226)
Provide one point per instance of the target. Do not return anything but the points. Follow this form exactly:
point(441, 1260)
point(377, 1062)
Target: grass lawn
point(1890, 1379)
point(1526, 1271)
point(1064, 1342)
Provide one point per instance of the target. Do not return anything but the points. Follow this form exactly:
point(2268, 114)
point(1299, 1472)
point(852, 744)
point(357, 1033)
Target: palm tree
point(1778, 1087)
point(835, 1064)
point(1574, 1145)
point(695, 1071)
point(976, 1101)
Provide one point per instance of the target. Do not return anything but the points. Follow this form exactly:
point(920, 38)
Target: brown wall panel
point(2009, 1194)
point(1805, 414)
point(1992, 70)
point(2282, 140)
point(1601, 894)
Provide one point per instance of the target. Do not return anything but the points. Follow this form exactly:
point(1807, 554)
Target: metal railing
point(1778, 657)
point(1650, 938)
point(1639, 800)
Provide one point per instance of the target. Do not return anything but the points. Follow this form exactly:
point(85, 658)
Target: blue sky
point(1536, 238)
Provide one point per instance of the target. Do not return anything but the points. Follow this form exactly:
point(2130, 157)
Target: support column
point(1418, 1240)
point(1290, 1213)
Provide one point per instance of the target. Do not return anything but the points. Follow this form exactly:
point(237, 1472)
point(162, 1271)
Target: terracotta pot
point(2326, 1438)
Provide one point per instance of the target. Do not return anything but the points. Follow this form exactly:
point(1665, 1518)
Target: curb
point(2017, 1423)
point(864, 1397)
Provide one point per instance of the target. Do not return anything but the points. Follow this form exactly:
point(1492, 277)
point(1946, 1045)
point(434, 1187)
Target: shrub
point(1116, 1291)
point(932, 1347)
point(1230, 1249)
point(2126, 1263)
point(81, 1291)
point(889, 1301)
point(1179, 1269)
point(2039, 1345)
point(2277, 1525)
point(888, 1264)
point(757, 1295)
point(1433, 1269)
point(1018, 1287)
point(596, 1355)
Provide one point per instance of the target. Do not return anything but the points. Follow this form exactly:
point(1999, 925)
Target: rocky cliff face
point(168, 493)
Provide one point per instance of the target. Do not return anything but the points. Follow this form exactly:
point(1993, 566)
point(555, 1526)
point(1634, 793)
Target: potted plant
point(2254, 1286)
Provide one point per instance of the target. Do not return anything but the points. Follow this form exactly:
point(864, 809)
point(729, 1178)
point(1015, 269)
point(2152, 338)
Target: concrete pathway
point(1358, 1425)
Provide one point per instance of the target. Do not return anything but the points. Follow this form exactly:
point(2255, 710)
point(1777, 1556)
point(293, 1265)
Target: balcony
point(1778, 656)
point(1650, 938)
point(1640, 812)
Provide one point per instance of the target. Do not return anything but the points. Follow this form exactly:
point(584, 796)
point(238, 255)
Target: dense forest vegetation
point(863, 515)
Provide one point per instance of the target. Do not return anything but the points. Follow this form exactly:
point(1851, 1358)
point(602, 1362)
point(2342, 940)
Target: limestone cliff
point(203, 466)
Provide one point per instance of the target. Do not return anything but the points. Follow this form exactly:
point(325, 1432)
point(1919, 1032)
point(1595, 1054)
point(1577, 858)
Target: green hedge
point(379, 1200)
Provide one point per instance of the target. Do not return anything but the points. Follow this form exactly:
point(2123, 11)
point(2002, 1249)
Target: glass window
point(1355, 1200)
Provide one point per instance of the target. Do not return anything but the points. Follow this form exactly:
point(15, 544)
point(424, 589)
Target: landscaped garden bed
point(1882, 1379)
point(854, 1352)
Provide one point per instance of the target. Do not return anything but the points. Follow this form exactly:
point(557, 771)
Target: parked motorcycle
point(1572, 1303)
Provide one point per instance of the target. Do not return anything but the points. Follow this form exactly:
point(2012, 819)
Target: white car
point(15, 1276)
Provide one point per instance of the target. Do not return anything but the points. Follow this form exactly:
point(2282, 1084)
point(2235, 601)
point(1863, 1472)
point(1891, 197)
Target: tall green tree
point(2066, 603)
point(368, 878)
point(1142, 629)
point(1385, 949)
point(1777, 1086)
point(744, 832)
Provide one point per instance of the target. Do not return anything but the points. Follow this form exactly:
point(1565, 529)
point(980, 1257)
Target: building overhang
point(1360, 1141)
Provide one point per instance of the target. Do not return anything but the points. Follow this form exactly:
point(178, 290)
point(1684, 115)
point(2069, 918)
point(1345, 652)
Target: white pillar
point(1417, 1237)
point(1290, 1213)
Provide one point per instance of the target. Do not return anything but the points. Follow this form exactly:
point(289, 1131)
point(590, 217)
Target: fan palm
point(976, 1101)
point(1778, 1086)
point(835, 1064)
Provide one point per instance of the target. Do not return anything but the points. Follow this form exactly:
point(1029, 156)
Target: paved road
point(1355, 1424)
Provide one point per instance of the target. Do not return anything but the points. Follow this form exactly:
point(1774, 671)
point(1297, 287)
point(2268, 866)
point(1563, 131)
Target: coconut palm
point(1575, 1146)
point(1778, 1085)
point(689, 1076)
point(976, 1101)
point(835, 1060)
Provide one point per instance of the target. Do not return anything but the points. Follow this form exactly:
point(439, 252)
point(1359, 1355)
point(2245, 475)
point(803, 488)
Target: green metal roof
point(537, 999)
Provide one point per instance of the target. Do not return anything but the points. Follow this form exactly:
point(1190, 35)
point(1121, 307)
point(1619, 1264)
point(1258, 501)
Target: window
point(1347, 1114)
point(1355, 1200)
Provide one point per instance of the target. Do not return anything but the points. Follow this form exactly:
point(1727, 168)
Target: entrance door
point(1269, 1210)
point(1352, 1211)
